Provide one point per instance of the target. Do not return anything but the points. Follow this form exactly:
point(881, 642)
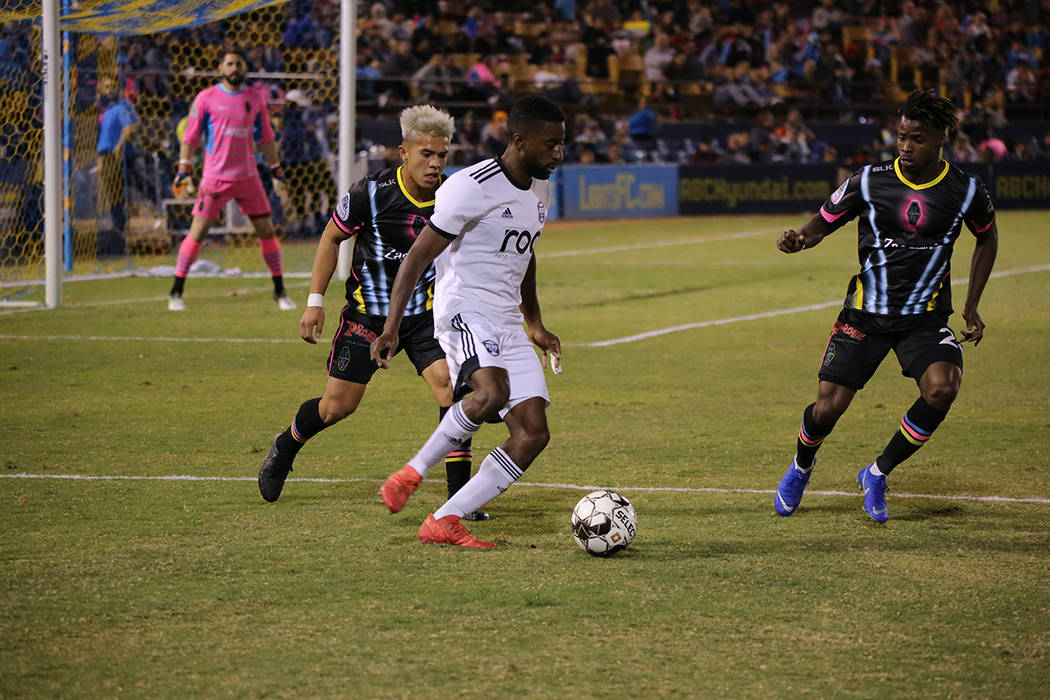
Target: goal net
point(120, 214)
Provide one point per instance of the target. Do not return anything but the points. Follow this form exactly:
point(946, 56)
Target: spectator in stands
point(737, 148)
point(642, 125)
point(436, 82)
point(992, 149)
point(658, 57)
point(117, 122)
point(482, 81)
point(494, 135)
point(595, 35)
point(401, 65)
point(310, 182)
point(1021, 84)
point(962, 150)
point(763, 139)
point(369, 70)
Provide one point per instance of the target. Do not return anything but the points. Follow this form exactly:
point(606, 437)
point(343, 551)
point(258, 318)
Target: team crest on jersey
point(836, 196)
point(343, 210)
point(416, 228)
point(540, 213)
point(491, 346)
point(913, 213)
point(247, 107)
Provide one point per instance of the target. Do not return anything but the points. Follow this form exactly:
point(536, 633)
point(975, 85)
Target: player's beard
point(235, 79)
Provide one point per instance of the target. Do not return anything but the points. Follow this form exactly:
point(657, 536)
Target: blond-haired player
point(384, 213)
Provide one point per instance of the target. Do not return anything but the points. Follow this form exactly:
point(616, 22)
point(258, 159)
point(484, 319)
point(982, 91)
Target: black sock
point(917, 427)
point(810, 437)
point(278, 285)
point(177, 286)
point(307, 423)
point(457, 463)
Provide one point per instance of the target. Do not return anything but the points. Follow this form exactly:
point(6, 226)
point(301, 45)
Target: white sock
point(453, 430)
point(875, 471)
point(495, 475)
point(804, 471)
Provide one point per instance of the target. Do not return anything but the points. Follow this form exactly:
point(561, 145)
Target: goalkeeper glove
point(183, 185)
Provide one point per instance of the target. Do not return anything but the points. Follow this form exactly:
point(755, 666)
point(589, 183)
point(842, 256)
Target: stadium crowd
point(623, 67)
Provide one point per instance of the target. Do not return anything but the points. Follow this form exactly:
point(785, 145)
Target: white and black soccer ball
point(603, 523)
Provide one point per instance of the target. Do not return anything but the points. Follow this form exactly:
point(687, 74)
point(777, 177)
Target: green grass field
point(138, 586)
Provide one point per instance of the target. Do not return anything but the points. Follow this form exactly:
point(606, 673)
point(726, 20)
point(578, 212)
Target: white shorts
point(471, 342)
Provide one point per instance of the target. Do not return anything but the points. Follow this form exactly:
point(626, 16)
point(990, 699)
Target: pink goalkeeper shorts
point(213, 194)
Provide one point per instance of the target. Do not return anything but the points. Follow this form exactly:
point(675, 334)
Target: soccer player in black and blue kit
point(384, 213)
point(910, 212)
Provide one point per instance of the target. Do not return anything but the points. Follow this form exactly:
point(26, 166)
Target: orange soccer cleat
point(398, 487)
point(449, 530)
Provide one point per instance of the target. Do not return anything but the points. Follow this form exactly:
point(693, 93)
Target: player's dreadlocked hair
point(532, 111)
point(927, 107)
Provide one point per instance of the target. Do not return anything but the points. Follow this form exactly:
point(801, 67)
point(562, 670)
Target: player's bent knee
point(941, 395)
point(333, 412)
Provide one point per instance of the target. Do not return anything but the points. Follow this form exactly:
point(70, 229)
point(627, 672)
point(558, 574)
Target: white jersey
point(494, 224)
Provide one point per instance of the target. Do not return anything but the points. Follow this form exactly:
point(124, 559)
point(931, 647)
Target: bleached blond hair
point(425, 119)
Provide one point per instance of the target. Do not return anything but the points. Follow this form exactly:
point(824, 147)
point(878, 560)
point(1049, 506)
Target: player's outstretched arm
point(811, 233)
point(530, 308)
point(980, 270)
point(423, 251)
point(325, 259)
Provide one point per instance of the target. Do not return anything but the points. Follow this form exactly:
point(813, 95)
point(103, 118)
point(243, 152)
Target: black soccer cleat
point(274, 471)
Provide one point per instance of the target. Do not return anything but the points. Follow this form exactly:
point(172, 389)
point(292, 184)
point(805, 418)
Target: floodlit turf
point(149, 587)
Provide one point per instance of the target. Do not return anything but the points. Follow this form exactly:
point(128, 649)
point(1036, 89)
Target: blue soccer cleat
point(789, 491)
point(874, 488)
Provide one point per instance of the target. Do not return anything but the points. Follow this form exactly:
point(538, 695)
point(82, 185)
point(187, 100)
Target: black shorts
point(859, 342)
point(350, 358)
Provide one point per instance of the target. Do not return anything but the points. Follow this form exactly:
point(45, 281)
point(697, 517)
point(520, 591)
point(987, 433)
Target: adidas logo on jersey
point(507, 214)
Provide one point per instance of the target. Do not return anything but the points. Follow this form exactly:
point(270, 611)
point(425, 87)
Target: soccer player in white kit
point(481, 237)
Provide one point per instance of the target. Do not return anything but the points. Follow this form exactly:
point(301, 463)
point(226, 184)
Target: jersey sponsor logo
point(359, 330)
point(385, 183)
point(521, 241)
point(507, 214)
point(492, 347)
point(394, 254)
point(836, 196)
point(849, 330)
point(540, 213)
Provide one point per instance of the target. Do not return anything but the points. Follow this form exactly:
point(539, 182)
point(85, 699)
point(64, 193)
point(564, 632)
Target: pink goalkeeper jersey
point(231, 123)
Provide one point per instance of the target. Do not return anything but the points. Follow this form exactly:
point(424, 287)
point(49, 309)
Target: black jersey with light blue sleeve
point(905, 235)
point(385, 220)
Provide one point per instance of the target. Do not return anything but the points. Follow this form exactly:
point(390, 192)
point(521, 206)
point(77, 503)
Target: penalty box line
point(572, 487)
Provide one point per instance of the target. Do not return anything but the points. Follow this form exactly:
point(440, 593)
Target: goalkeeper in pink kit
point(230, 120)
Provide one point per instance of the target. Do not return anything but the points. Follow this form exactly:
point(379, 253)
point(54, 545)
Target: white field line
point(573, 487)
point(771, 314)
point(290, 275)
point(140, 338)
point(156, 299)
point(596, 344)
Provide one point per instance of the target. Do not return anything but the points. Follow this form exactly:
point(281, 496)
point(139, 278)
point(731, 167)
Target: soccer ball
point(603, 523)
